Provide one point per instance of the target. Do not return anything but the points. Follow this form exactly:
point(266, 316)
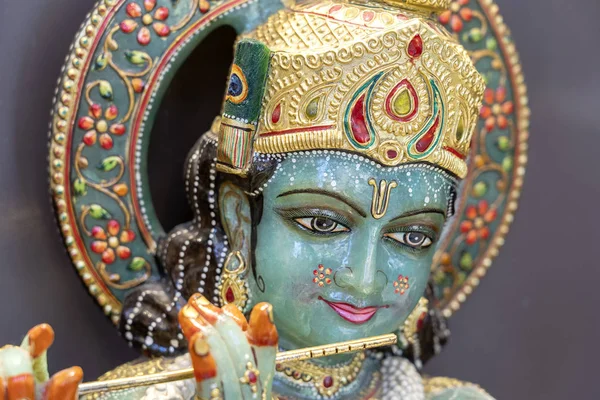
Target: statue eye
point(321, 225)
point(416, 240)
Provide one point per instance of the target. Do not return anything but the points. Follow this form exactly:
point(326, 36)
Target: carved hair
point(192, 257)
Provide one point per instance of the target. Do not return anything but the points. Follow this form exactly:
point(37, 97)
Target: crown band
point(431, 5)
point(342, 76)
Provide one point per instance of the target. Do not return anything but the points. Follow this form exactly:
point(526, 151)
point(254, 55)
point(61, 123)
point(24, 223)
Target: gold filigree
point(436, 385)
point(316, 44)
point(327, 380)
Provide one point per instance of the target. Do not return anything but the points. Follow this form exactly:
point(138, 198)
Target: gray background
point(529, 332)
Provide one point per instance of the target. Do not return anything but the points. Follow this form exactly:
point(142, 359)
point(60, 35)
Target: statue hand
point(226, 349)
point(24, 370)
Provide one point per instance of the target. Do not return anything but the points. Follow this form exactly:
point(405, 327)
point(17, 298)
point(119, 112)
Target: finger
point(40, 338)
point(64, 385)
point(192, 323)
point(37, 342)
point(262, 335)
point(236, 342)
point(231, 310)
point(205, 367)
point(18, 373)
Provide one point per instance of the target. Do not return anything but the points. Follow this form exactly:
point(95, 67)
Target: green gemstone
point(491, 43)
point(460, 130)
point(402, 103)
point(312, 109)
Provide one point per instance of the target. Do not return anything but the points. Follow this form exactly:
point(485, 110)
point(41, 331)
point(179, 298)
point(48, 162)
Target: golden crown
point(386, 82)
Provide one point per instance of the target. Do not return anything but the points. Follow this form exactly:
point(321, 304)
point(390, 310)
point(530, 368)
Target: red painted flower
point(475, 227)
point(111, 240)
point(496, 109)
point(96, 125)
point(135, 11)
point(457, 15)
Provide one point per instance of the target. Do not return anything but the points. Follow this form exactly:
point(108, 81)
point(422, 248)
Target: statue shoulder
point(442, 388)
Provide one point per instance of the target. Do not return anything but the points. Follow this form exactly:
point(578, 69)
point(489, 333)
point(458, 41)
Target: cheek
point(407, 277)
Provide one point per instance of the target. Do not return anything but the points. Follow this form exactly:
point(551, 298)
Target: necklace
point(326, 380)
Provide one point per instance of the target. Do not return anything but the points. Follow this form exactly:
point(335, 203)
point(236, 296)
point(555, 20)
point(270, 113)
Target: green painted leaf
point(96, 211)
point(137, 264)
point(80, 187)
point(491, 43)
point(480, 189)
point(106, 90)
point(507, 163)
point(503, 143)
point(136, 57)
point(109, 163)
point(466, 261)
point(475, 35)
point(101, 62)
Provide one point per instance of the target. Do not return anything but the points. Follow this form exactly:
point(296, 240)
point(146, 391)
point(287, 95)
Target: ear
point(236, 217)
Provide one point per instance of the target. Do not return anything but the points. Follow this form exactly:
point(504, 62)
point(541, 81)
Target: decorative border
point(452, 303)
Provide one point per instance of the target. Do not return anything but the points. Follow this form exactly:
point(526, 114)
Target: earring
point(411, 328)
point(414, 322)
point(232, 286)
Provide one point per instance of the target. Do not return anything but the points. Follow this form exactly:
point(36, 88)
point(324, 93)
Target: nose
point(361, 275)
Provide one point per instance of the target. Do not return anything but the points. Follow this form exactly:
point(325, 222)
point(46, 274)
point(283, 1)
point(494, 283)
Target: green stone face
point(333, 271)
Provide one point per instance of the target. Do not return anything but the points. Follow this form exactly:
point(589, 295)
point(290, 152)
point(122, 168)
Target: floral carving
point(97, 123)
point(148, 15)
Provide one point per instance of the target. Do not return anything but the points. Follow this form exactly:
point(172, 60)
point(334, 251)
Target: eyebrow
point(420, 211)
point(329, 194)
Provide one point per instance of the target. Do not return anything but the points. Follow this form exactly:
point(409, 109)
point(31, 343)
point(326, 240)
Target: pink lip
point(352, 314)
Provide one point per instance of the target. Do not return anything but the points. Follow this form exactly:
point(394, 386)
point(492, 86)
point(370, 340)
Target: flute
point(282, 357)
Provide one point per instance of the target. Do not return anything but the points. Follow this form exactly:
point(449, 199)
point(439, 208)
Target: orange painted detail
point(203, 362)
point(20, 387)
point(65, 384)
point(262, 330)
point(232, 311)
point(206, 309)
point(41, 338)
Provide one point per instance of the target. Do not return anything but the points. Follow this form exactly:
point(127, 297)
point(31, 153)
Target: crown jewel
point(376, 80)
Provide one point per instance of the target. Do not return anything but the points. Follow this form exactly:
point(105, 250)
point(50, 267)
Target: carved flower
point(457, 15)
point(496, 109)
point(96, 125)
point(135, 11)
point(476, 225)
point(110, 240)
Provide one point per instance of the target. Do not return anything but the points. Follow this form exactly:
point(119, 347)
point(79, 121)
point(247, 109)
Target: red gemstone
point(252, 377)
point(421, 321)
point(229, 296)
point(392, 154)
point(328, 381)
point(276, 116)
point(368, 16)
point(415, 47)
point(357, 121)
point(425, 142)
point(335, 8)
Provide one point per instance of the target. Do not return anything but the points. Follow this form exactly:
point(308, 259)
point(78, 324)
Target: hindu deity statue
point(331, 183)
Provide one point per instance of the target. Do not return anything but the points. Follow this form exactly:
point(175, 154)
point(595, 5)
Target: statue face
point(344, 246)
